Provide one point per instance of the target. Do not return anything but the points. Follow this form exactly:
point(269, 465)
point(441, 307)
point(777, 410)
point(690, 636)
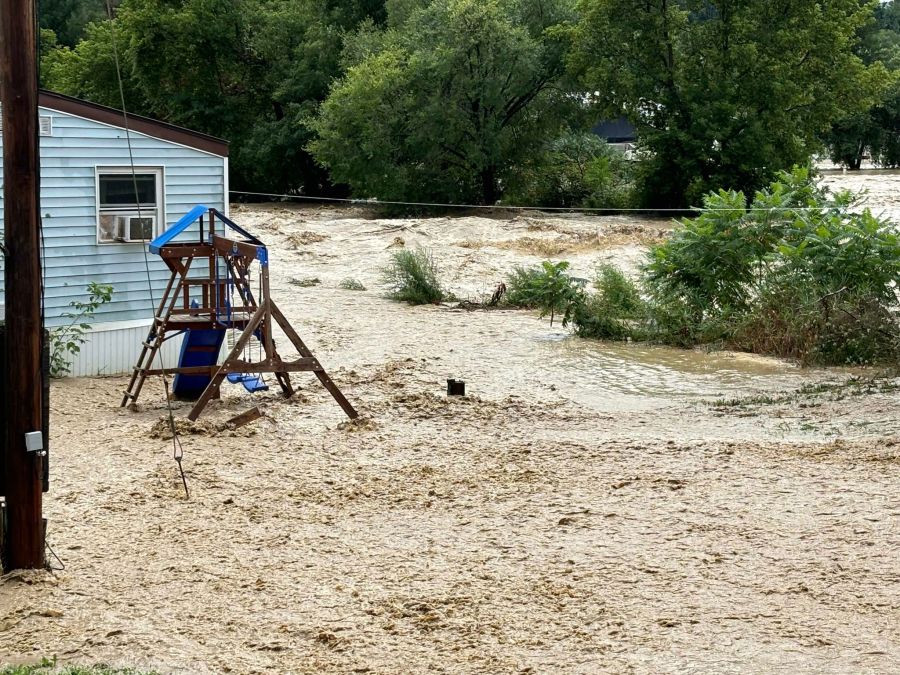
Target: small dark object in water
point(456, 387)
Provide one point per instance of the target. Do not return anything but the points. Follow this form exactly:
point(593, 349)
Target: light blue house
point(94, 228)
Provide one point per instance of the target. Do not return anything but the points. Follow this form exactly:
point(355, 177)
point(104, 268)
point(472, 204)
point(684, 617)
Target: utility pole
point(22, 464)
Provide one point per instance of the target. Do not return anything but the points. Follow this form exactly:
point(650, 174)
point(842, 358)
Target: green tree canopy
point(724, 92)
point(875, 131)
point(250, 71)
point(69, 18)
point(443, 103)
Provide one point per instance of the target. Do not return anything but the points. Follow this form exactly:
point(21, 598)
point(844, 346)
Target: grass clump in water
point(412, 277)
point(351, 284)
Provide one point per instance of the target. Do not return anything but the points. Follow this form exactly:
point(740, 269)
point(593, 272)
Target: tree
point(250, 71)
point(69, 18)
point(442, 104)
point(874, 131)
point(724, 93)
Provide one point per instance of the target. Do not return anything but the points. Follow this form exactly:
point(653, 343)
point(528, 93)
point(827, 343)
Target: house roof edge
point(144, 125)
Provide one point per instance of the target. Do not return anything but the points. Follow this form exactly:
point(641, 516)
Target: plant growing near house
point(66, 341)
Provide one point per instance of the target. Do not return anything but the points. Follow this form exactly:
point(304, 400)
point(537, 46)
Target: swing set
point(219, 299)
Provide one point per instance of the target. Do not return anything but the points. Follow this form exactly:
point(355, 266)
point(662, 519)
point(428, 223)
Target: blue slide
point(199, 348)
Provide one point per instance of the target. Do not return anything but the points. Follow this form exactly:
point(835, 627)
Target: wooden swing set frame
point(180, 310)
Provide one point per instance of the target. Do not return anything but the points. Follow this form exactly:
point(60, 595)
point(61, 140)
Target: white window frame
point(159, 212)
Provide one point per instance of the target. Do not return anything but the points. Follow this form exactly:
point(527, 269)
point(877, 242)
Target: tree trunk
point(488, 186)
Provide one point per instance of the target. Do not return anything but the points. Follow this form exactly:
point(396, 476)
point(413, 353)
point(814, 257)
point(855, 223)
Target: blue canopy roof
point(190, 217)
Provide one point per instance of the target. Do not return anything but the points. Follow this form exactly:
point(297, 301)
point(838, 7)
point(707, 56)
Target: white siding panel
point(113, 351)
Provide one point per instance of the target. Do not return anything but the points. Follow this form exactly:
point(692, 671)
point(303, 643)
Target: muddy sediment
point(587, 508)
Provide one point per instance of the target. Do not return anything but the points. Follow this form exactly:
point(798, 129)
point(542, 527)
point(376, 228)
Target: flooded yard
point(588, 507)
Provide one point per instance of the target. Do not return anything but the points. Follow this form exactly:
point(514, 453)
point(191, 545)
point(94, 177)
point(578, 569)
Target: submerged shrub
point(547, 288)
point(798, 274)
point(351, 284)
point(615, 311)
point(413, 278)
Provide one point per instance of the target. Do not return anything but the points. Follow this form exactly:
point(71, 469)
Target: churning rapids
point(589, 507)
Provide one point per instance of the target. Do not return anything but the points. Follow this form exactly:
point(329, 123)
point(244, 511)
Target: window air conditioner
point(135, 228)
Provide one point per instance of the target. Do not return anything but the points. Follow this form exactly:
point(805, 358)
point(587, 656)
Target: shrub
point(547, 288)
point(412, 277)
point(66, 341)
point(519, 287)
point(576, 169)
point(798, 274)
point(615, 311)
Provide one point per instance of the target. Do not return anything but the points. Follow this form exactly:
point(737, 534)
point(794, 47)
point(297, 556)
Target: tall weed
point(413, 277)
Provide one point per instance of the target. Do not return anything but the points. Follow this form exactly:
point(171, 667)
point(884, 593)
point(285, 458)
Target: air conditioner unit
point(135, 228)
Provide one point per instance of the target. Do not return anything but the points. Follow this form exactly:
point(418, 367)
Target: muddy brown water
point(589, 507)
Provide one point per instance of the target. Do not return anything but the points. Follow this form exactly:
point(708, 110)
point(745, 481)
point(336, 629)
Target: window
point(129, 205)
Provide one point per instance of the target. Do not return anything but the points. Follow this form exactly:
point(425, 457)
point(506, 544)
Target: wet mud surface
point(587, 508)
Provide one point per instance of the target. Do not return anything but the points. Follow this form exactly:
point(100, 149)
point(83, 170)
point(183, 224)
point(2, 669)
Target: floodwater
point(880, 188)
point(588, 507)
point(474, 254)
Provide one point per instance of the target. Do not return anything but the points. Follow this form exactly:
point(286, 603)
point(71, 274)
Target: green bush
point(412, 277)
point(574, 170)
point(519, 287)
point(547, 288)
point(799, 274)
point(615, 312)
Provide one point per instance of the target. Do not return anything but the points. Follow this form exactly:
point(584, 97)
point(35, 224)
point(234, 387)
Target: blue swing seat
point(250, 381)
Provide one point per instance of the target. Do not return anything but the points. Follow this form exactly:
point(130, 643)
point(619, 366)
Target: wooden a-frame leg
point(284, 381)
point(320, 372)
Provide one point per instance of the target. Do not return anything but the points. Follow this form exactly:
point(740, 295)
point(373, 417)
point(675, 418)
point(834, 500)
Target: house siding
point(72, 258)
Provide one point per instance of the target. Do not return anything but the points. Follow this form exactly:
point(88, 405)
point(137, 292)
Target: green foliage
point(800, 274)
point(576, 169)
point(547, 288)
point(68, 18)
point(66, 340)
point(615, 311)
point(442, 104)
point(875, 130)
point(251, 71)
point(351, 284)
point(723, 94)
point(413, 277)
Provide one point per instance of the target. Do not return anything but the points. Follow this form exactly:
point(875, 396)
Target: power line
point(509, 207)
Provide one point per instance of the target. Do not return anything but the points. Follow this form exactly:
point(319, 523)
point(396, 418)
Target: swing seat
point(251, 382)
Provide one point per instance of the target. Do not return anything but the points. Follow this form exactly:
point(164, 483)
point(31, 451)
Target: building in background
point(96, 215)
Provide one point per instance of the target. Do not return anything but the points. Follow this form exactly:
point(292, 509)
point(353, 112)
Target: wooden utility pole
point(22, 269)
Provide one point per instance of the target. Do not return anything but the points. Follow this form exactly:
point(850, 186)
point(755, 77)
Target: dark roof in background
point(144, 125)
point(616, 131)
